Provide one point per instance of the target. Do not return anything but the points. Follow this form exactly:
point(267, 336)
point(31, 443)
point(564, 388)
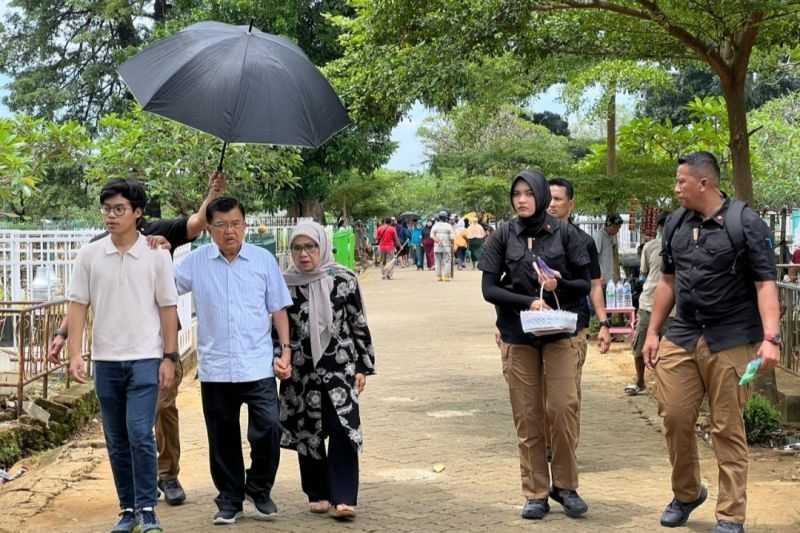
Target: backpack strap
point(734, 225)
point(674, 221)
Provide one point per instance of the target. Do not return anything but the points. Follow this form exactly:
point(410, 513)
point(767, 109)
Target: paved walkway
point(439, 398)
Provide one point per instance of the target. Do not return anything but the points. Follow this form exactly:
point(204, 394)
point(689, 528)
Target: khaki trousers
point(542, 385)
point(683, 378)
point(168, 439)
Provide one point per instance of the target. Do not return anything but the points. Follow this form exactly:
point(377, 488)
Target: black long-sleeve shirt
point(511, 283)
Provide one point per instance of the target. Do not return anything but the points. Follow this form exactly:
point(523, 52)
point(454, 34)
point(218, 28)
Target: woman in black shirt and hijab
point(540, 371)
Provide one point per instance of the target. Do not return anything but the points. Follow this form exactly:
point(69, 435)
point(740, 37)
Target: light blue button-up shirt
point(234, 301)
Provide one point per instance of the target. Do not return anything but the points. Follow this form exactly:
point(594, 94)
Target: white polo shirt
point(125, 293)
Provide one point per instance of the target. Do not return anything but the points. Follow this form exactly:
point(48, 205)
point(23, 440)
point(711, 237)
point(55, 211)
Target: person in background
point(476, 234)
point(404, 236)
point(388, 242)
point(428, 244)
point(650, 266)
point(416, 246)
point(130, 289)
point(239, 294)
point(442, 234)
point(168, 234)
point(608, 249)
point(461, 244)
point(332, 355)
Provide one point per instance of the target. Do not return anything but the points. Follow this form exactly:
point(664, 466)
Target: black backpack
point(733, 225)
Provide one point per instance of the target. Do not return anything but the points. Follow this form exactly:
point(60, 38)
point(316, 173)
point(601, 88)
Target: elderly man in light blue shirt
point(236, 287)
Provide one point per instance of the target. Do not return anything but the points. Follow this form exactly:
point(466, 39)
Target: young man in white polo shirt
point(131, 291)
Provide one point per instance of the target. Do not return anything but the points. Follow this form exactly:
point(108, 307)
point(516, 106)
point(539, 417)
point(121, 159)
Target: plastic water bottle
point(610, 294)
point(620, 299)
point(627, 296)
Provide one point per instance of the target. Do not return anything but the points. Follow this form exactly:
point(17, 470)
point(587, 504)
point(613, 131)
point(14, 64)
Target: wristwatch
point(60, 332)
point(172, 356)
point(777, 340)
point(286, 347)
point(605, 323)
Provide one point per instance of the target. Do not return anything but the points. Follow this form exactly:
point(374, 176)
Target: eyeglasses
point(117, 210)
point(307, 248)
point(236, 224)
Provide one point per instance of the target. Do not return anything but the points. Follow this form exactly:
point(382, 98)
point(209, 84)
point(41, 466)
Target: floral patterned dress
point(349, 352)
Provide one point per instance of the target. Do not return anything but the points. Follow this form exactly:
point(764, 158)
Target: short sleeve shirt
point(585, 313)
point(715, 294)
point(234, 301)
point(387, 237)
point(124, 292)
point(509, 253)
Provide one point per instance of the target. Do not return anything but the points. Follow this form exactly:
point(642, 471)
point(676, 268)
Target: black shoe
point(535, 509)
point(226, 517)
point(573, 505)
point(173, 492)
point(265, 507)
point(677, 513)
point(728, 527)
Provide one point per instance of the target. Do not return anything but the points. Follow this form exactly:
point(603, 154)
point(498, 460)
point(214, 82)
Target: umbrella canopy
point(408, 215)
point(237, 83)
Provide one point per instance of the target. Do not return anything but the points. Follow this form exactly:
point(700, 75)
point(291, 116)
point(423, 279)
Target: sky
point(410, 154)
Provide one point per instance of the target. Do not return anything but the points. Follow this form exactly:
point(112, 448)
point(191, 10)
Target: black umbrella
point(237, 83)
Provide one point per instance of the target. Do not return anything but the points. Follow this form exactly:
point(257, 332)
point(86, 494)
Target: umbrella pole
point(222, 156)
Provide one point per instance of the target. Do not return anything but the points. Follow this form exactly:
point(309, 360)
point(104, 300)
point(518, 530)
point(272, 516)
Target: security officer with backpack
point(719, 271)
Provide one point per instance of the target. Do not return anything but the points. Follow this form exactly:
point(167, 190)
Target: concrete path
point(439, 398)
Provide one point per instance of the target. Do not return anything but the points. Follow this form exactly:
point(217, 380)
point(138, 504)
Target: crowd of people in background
point(440, 243)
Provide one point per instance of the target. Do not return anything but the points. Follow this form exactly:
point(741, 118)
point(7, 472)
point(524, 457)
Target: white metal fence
point(627, 238)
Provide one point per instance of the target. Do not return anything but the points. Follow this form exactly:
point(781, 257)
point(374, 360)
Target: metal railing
point(790, 326)
point(34, 325)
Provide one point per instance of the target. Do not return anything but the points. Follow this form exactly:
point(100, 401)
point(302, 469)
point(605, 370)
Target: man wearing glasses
point(131, 291)
point(168, 234)
point(236, 287)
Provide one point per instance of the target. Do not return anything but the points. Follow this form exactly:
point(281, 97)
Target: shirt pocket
point(720, 250)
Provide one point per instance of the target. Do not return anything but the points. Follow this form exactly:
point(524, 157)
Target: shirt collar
point(244, 252)
point(717, 218)
point(135, 251)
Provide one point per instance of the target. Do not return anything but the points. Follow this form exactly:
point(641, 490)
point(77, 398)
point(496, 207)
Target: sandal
point(343, 512)
point(320, 507)
point(633, 390)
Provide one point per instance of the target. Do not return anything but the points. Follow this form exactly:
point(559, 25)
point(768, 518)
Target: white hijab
point(317, 286)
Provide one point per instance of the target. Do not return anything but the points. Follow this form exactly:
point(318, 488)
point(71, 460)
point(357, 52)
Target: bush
point(762, 421)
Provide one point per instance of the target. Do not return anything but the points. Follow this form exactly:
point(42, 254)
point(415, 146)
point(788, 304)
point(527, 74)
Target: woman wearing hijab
point(332, 355)
point(540, 371)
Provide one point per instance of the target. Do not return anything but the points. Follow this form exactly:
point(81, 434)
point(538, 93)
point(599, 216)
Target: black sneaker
point(535, 509)
point(728, 527)
point(127, 522)
point(172, 490)
point(265, 507)
point(573, 505)
point(148, 521)
point(226, 517)
point(677, 513)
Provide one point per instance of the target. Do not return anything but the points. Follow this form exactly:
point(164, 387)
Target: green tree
point(175, 162)
point(410, 42)
point(16, 177)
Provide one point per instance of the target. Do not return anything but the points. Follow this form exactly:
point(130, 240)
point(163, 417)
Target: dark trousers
point(128, 392)
point(221, 405)
point(333, 477)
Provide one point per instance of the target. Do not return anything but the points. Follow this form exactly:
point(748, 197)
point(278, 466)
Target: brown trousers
point(542, 384)
point(168, 438)
point(683, 378)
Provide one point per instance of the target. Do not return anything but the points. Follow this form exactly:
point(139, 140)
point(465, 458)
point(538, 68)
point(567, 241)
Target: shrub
point(762, 421)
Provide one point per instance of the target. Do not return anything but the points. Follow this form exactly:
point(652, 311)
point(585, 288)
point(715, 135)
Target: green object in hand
point(750, 372)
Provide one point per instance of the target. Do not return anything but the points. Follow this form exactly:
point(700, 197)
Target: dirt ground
point(438, 399)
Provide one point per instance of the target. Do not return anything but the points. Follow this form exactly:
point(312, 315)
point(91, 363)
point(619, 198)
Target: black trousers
point(334, 477)
point(222, 403)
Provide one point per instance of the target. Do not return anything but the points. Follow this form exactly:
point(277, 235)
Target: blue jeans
point(419, 256)
point(128, 395)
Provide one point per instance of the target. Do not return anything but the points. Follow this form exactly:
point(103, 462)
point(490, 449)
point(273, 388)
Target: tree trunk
point(611, 131)
point(734, 91)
